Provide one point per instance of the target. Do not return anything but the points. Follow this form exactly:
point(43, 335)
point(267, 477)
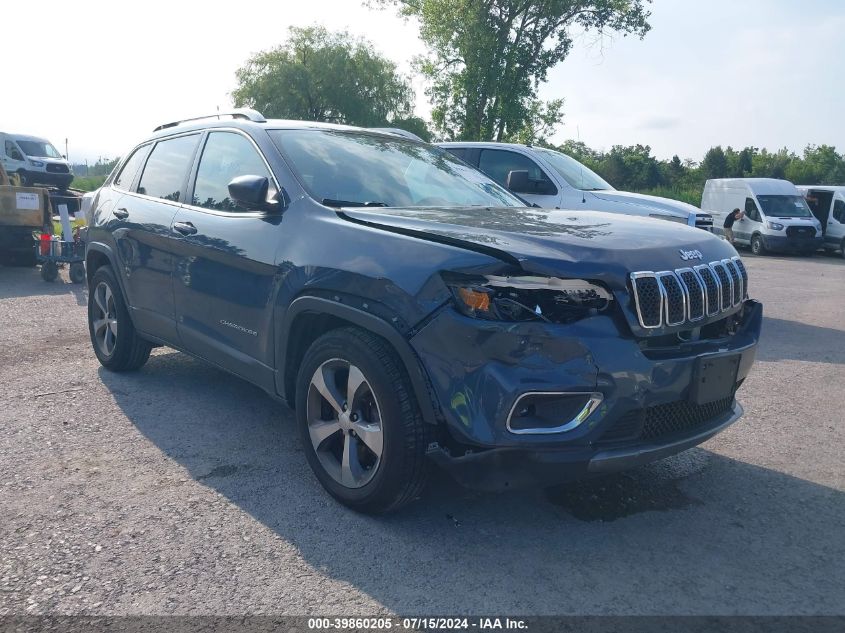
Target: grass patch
point(690, 196)
point(88, 183)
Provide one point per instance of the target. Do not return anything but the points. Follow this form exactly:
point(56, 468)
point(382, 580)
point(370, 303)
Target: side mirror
point(518, 181)
point(251, 192)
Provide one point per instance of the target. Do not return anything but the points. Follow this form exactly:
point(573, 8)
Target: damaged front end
point(535, 376)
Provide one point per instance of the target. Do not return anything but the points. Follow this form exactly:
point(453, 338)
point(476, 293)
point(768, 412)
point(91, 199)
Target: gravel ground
point(183, 490)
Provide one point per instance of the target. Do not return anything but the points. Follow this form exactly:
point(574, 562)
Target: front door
point(751, 222)
point(225, 264)
point(13, 159)
point(540, 190)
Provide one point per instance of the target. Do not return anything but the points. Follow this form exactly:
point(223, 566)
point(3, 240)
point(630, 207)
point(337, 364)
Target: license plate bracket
point(714, 378)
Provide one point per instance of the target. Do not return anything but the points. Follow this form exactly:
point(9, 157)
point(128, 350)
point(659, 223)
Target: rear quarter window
point(167, 167)
point(130, 168)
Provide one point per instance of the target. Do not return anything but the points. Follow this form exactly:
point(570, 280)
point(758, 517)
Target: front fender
point(311, 305)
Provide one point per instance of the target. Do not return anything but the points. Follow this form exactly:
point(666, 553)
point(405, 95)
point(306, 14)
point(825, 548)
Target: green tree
point(487, 58)
point(322, 76)
point(715, 163)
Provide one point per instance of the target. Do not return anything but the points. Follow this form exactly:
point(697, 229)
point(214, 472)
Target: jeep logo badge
point(688, 255)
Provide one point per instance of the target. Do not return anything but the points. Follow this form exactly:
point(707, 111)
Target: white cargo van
point(34, 160)
point(776, 218)
point(828, 205)
point(553, 180)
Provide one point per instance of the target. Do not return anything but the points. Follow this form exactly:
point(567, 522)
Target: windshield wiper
point(331, 202)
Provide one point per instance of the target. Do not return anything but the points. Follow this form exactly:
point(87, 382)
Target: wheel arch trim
point(106, 250)
point(320, 306)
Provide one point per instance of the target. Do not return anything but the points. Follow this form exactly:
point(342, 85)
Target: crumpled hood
point(583, 244)
point(660, 205)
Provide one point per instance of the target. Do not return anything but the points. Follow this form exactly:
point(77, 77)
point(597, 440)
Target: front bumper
point(478, 370)
point(503, 468)
point(61, 180)
point(784, 244)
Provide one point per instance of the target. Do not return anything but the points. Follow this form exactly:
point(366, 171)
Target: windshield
point(573, 172)
point(784, 206)
point(39, 149)
point(348, 168)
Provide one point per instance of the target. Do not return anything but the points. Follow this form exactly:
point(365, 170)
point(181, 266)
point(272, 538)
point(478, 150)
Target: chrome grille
point(675, 303)
point(736, 281)
point(674, 297)
point(713, 291)
point(742, 273)
point(725, 283)
point(649, 299)
point(694, 288)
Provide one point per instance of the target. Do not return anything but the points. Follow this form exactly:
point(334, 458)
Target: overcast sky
point(768, 73)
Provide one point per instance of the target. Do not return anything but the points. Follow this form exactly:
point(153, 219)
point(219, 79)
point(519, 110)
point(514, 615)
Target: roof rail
point(397, 132)
point(238, 113)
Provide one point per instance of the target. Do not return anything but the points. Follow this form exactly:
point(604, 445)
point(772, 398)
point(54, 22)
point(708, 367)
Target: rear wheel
point(842, 248)
point(116, 343)
point(757, 246)
point(359, 422)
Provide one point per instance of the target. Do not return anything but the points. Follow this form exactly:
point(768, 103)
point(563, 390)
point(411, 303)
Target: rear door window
point(226, 156)
point(167, 167)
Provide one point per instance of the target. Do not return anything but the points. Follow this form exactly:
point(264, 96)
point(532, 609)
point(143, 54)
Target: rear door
point(142, 232)
point(225, 264)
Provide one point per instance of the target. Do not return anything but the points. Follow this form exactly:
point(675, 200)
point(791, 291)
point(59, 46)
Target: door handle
point(121, 214)
point(185, 228)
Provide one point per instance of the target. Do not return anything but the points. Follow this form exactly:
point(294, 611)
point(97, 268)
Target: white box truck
point(776, 216)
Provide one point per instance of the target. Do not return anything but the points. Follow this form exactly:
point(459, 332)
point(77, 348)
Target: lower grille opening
point(665, 420)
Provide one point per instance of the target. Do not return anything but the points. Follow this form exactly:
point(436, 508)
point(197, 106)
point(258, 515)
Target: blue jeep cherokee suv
point(413, 311)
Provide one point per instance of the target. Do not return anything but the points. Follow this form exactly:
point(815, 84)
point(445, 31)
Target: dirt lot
point(181, 489)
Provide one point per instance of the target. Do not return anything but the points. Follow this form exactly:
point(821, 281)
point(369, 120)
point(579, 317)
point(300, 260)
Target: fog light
point(551, 412)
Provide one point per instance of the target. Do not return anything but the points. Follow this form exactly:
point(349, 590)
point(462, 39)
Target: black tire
point(128, 351)
point(842, 248)
point(77, 272)
point(757, 246)
point(24, 179)
point(402, 470)
point(49, 271)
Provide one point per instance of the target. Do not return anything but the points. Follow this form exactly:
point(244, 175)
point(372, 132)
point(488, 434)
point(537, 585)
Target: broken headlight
point(546, 299)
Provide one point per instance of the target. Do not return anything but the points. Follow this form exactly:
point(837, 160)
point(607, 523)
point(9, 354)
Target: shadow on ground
point(697, 533)
point(783, 339)
point(27, 282)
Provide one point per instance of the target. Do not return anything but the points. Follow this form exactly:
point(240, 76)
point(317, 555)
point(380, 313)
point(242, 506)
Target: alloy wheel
point(105, 321)
point(344, 423)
